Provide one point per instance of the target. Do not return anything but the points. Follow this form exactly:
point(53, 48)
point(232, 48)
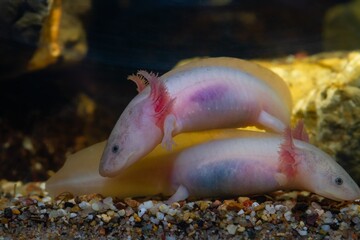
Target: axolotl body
point(204, 94)
point(234, 162)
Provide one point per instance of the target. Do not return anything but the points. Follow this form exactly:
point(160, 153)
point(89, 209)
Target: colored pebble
point(231, 228)
point(239, 218)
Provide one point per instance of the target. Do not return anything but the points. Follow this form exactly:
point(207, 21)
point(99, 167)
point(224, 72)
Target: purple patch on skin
point(209, 94)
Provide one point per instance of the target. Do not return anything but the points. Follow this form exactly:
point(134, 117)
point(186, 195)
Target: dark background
point(123, 36)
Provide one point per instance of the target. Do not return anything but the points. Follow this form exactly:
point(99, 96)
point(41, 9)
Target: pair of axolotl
point(200, 105)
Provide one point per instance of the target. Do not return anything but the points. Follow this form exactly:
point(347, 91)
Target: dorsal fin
point(299, 132)
point(139, 80)
point(287, 155)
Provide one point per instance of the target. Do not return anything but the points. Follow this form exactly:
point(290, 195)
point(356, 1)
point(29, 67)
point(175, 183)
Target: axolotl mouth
point(351, 195)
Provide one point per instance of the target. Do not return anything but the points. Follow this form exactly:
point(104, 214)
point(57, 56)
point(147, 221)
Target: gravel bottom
point(32, 214)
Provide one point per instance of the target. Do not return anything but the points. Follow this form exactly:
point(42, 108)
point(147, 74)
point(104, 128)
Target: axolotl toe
point(204, 94)
point(244, 166)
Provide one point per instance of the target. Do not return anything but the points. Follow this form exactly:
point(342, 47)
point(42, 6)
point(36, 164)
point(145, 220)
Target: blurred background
point(64, 63)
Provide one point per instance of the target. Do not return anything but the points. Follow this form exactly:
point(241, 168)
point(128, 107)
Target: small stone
point(102, 231)
point(231, 205)
point(108, 201)
point(288, 215)
point(343, 226)
point(147, 204)
point(46, 200)
point(61, 212)
point(129, 211)
point(186, 216)
point(105, 218)
point(302, 232)
point(72, 215)
point(175, 205)
point(76, 208)
point(96, 206)
point(243, 199)
point(164, 208)
point(160, 215)
point(121, 212)
point(53, 214)
point(41, 204)
point(231, 228)
point(84, 205)
point(241, 229)
point(270, 209)
point(154, 209)
point(120, 205)
point(141, 211)
point(279, 207)
point(216, 203)
point(258, 227)
point(315, 205)
point(110, 213)
point(154, 220)
point(204, 205)
point(137, 218)
point(172, 212)
point(241, 212)
point(131, 202)
point(16, 211)
point(255, 204)
point(325, 228)
point(190, 205)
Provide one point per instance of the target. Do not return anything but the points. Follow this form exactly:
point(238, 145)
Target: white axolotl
point(253, 165)
point(203, 94)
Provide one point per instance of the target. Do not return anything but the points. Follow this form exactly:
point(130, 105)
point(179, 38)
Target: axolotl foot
point(181, 194)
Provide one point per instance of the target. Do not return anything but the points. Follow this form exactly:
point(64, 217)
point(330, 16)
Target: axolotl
point(243, 166)
point(235, 162)
point(204, 94)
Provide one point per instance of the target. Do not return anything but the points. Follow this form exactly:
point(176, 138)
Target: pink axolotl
point(260, 164)
point(203, 94)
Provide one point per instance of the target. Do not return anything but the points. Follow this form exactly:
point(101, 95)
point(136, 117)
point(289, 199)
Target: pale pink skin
point(206, 94)
point(245, 166)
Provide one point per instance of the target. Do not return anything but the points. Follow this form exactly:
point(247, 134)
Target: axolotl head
point(140, 127)
point(134, 135)
point(321, 174)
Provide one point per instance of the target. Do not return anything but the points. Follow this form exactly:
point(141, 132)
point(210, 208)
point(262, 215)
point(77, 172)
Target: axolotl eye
point(115, 149)
point(339, 181)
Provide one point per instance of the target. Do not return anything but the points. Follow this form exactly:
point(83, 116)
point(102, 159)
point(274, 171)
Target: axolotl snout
point(204, 94)
point(265, 163)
